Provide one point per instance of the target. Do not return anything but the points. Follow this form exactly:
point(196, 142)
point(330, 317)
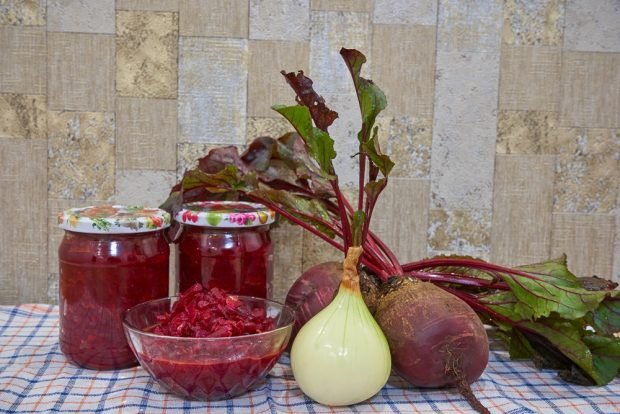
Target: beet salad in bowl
point(208, 345)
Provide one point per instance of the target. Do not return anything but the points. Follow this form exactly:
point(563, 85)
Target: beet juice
point(111, 258)
point(226, 245)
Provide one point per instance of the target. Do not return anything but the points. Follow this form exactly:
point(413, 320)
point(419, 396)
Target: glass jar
point(226, 244)
point(111, 258)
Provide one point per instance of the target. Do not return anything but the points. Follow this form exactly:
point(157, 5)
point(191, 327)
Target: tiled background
point(503, 117)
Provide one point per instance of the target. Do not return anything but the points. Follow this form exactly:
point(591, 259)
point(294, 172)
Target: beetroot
point(312, 291)
point(212, 314)
point(435, 338)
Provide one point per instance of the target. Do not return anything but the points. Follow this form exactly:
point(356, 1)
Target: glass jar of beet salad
point(226, 244)
point(111, 258)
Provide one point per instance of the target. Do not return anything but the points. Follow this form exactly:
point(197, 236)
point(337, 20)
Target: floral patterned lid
point(113, 219)
point(225, 214)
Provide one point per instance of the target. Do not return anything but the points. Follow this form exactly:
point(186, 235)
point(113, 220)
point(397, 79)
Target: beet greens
point(542, 311)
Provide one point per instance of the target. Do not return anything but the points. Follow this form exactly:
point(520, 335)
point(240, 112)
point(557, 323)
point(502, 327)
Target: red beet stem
point(440, 277)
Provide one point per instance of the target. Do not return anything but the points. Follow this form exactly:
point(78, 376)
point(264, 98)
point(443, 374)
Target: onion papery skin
point(340, 356)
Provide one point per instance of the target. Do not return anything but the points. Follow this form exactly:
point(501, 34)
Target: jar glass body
point(102, 275)
point(236, 260)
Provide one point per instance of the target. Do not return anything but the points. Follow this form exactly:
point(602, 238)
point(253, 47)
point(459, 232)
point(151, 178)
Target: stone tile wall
point(503, 118)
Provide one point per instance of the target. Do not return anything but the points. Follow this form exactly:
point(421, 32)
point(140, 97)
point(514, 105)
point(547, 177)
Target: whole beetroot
point(312, 291)
point(435, 338)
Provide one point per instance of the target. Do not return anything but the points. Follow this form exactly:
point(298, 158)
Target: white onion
point(340, 356)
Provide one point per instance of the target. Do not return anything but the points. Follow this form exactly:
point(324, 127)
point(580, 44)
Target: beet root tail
point(461, 383)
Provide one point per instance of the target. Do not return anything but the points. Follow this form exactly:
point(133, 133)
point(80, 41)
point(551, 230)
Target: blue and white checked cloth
point(35, 377)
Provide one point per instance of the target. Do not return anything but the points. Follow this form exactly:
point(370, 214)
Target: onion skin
point(434, 337)
point(313, 291)
point(341, 356)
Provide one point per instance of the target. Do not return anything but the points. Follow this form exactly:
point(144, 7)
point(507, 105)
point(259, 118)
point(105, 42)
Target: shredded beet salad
point(202, 313)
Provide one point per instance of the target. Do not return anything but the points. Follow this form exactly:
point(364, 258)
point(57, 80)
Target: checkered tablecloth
point(35, 377)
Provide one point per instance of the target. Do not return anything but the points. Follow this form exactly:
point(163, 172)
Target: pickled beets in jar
point(111, 258)
point(226, 244)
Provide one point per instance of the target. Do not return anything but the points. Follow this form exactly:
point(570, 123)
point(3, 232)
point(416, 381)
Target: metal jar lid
point(225, 214)
point(113, 219)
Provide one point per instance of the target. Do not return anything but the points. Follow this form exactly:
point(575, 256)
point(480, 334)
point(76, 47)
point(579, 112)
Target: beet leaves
point(542, 311)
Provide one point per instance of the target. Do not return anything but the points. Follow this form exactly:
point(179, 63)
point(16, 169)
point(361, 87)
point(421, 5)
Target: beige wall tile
point(616, 265)
point(587, 174)
point(222, 18)
point(83, 16)
point(143, 187)
point(146, 54)
point(342, 5)
point(81, 72)
point(317, 251)
point(270, 127)
point(400, 218)
point(23, 13)
point(530, 78)
point(146, 133)
point(533, 23)
point(188, 155)
point(522, 204)
point(212, 90)
point(408, 142)
point(81, 155)
point(585, 258)
point(151, 5)
point(266, 85)
point(592, 26)
point(24, 58)
point(23, 240)
point(52, 288)
point(464, 131)
point(459, 231)
point(469, 26)
point(527, 132)
point(422, 12)
point(23, 116)
point(590, 90)
point(280, 20)
point(287, 242)
point(330, 31)
point(408, 80)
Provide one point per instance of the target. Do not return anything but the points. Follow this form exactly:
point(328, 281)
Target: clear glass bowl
point(207, 368)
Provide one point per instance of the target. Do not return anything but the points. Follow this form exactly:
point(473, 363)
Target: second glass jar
point(226, 245)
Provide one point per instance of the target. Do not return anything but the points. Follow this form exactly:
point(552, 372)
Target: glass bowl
point(207, 368)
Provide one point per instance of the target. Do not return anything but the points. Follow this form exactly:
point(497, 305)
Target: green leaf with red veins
point(519, 346)
point(606, 357)
point(320, 144)
point(374, 188)
point(554, 271)
point(220, 157)
point(606, 318)
point(259, 153)
point(307, 210)
point(302, 85)
point(538, 297)
point(545, 336)
point(221, 181)
point(371, 98)
point(382, 161)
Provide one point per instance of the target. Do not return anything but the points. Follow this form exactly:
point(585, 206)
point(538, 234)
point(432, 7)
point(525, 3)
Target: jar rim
point(225, 214)
point(113, 219)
